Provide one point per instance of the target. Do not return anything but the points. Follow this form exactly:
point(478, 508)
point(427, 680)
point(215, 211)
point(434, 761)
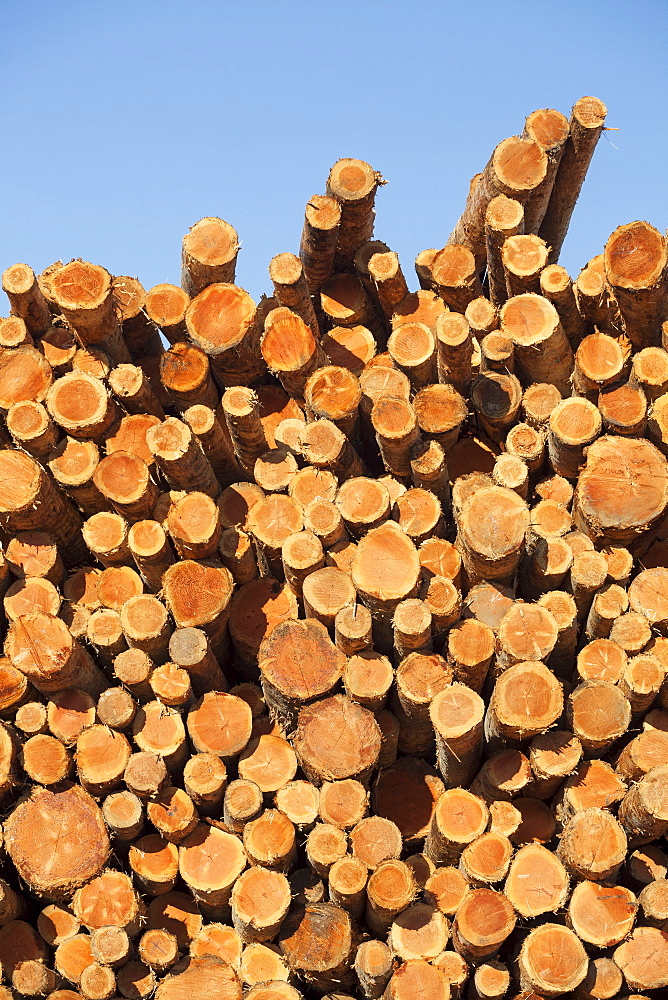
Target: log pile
point(336, 625)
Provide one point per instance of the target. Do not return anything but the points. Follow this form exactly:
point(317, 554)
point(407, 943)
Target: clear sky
point(126, 122)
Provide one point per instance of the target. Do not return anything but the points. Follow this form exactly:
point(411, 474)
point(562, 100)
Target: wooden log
point(485, 861)
point(286, 683)
point(542, 350)
point(301, 554)
point(42, 648)
point(290, 350)
point(556, 285)
point(57, 817)
point(482, 317)
point(391, 288)
point(516, 168)
point(420, 932)
point(242, 803)
point(598, 714)
point(482, 923)
point(491, 551)
point(602, 915)
point(185, 373)
point(459, 818)
point(454, 346)
point(353, 183)
point(457, 717)
point(45, 760)
point(608, 604)
point(32, 428)
point(29, 500)
point(624, 410)
point(420, 676)
point(210, 861)
point(319, 239)
point(574, 424)
point(616, 516)
point(586, 125)
point(504, 218)
point(497, 352)
point(512, 473)
point(222, 320)
point(68, 713)
point(151, 551)
point(373, 967)
point(635, 264)
point(299, 801)
point(643, 812)
point(526, 632)
point(334, 394)
point(26, 298)
point(599, 362)
point(30, 595)
point(116, 708)
point(643, 959)
point(454, 276)
point(260, 900)
point(550, 129)
point(363, 504)
point(418, 512)
point(73, 464)
point(541, 697)
point(553, 756)
point(166, 306)
point(325, 592)
point(469, 650)
point(593, 826)
point(375, 839)
point(523, 258)
point(641, 680)
point(324, 446)
point(101, 758)
point(269, 761)
point(269, 841)
point(439, 557)
point(291, 288)
point(441, 412)
point(596, 302)
point(496, 399)
point(412, 347)
point(198, 596)
point(390, 889)
point(34, 554)
point(552, 960)
point(116, 585)
point(83, 293)
point(537, 882)
point(204, 779)
point(350, 347)
point(209, 254)
point(383, 581)
point(125, 481)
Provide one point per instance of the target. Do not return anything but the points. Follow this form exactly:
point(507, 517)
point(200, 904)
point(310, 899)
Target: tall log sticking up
point(586, 125)
point(418, 688)
point(354, 184)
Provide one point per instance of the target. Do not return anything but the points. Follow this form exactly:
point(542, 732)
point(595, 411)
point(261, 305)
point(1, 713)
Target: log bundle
point(335, 626)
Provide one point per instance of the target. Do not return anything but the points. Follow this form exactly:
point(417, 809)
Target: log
point(454, 346)
point(537, 882)
point(83, 293)
point(644, 812)
point(527, 700)
point(497, 352)
point(542, 350)
point(324, 446)
point(368, 675)
point(327, 963)
point(598, 714)
point(556, 285)
point(363, 504)
point(390, 889)
point(299, 801)
point(222, 320)
point(635, 264)
point(209, 255)
point(373, 967)
point(459, 818)
point(482, 923)
point(419, 513)
point(491, 548)
point(319, 239)
point(523, 258)
point(441, 412)
point(454, 276)
point(457, 715)
point(350, 347)
point(353, 183)
point(485, 861)
point(290, 350)
point(504, 218)
point(496, 399)
point(517, 167)
point(588, 827)
point(586, 124)
point(552, 960)
point(643, 959)
point(291, 288)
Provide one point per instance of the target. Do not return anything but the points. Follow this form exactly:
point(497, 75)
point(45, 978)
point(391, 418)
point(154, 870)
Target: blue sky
point(124, 123)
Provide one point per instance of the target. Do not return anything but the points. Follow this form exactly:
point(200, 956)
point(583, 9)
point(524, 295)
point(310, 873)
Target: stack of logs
point(336, 631)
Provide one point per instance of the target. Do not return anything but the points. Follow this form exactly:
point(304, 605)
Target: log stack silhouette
point(335, 625)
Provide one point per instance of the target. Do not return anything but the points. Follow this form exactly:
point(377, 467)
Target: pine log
point(556, 285)
point(336, 739)
point(552, 960)
point(586, 125)
point(319, 239)
point(83, 293)
point(209, 255)
point(222, 321)
point(166, 307)
point(523, 258)
point(482, 923)
point(517, 167)
point(635, 266)
point(454, 351)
